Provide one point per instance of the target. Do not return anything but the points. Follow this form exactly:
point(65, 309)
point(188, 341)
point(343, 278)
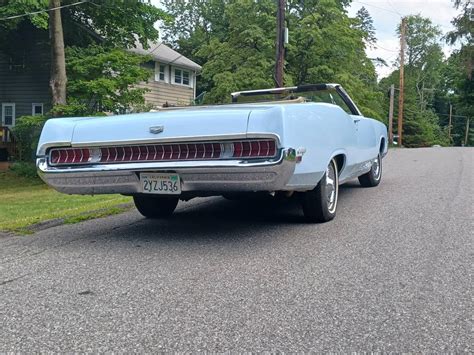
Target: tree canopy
point(459, 74)
point(235, 43)
point(99, 72)
point(115, 22)
point(103, 79)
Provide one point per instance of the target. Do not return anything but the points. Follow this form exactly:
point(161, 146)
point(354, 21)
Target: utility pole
point(390, 115)
point(467, 132)
point(402, 81)
point(450, 120)
point(280, 43)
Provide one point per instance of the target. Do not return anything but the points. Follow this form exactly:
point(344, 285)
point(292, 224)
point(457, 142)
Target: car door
point(354, 149)
point(365, 138)
point(364, 131)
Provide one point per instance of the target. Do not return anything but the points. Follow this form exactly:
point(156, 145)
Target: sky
point(387, 15)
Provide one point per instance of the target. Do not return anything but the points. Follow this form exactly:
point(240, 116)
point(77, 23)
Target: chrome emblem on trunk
point(156, 129)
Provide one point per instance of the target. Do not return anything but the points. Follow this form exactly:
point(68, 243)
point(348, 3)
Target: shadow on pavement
point(222, 219)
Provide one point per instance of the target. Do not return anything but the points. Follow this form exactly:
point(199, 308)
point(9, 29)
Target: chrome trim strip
point(158, 140)
point(238, 93)
point(176, 139)
point(287, 154)
point(59, 144)
point(254, 136)
point(211, 176)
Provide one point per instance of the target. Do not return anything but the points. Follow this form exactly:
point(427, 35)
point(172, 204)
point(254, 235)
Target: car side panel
point(321, 130)
point(366, 138)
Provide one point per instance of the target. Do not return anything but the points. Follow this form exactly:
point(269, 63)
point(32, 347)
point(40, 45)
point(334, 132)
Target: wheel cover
point(376, 168)
point(331, 187)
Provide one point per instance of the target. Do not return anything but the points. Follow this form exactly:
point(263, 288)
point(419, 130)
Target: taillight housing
point(242, 149)
point(70, 156)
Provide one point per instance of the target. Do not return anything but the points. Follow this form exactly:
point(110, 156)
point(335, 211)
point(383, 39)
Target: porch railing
point(7, 140)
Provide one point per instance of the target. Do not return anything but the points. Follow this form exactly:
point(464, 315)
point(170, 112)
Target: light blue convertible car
point(303, 141)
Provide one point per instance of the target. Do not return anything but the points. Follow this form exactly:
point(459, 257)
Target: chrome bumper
point(208, 176)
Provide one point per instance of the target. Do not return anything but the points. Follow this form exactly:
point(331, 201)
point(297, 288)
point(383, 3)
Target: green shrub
point(69, 110)
point(24, 169)
point(26, 133)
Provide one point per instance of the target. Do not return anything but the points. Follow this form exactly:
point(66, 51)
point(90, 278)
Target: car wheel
point(373, 177)
point(155, 206)
point(319, 204)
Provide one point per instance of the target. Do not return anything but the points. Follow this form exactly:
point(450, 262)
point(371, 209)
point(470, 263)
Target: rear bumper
point(206, 176)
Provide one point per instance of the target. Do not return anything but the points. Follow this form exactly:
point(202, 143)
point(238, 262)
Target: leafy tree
point(102, 79)
point(327, 46)
point(27, 132)
point(237, 51)
point(245, 59)
point(366, 25)
point(234, 40)
point(422, 37)
point(459, 75)
point(9, 8)
point(424, 70)
point(463, 25)
point(115, 23)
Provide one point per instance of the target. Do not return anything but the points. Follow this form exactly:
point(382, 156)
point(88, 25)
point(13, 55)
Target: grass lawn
point(26, 201)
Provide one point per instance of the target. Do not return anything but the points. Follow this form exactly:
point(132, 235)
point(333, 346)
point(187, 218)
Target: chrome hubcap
point(331, 188)
point(376, 168)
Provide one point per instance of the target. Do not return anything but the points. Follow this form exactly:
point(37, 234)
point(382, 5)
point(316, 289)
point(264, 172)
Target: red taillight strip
point(259, 148)
point(70, 156)
point(263, 148)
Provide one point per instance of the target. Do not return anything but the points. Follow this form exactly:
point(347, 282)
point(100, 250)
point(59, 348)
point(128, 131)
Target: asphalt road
point(390, 273)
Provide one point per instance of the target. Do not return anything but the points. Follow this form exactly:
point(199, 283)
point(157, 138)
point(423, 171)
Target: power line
point(386, 49)
point(447, 114)
point(41, 11)
point(436, 113)
point(378, 7)
point(393, 7)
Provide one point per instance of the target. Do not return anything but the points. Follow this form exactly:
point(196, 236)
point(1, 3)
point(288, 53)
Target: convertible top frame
point(303, 88)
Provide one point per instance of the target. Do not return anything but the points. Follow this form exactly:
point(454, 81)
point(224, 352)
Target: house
point(25, 69)
point(174, 79)
point(24, 78)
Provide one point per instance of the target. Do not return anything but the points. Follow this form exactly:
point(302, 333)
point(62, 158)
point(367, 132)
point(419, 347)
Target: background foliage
point(97, 33)
point(27, 132)
point(234, 41)
point(102, 78)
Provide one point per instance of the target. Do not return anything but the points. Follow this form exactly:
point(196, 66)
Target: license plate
point(157, 183)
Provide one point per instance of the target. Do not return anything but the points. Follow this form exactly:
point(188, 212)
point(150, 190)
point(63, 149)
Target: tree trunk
point(58, 78)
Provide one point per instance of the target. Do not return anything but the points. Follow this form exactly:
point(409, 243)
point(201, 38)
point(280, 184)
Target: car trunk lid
point(173, 125)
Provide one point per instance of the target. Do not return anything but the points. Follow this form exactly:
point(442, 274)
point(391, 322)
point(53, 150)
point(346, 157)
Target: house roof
point(164, 54)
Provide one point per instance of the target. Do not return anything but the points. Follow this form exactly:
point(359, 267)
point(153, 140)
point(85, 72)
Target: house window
point(36, 109)
point(177, 76)
point(185, 78)
point(161, 72)
point(182, 77)
point(8, 115)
